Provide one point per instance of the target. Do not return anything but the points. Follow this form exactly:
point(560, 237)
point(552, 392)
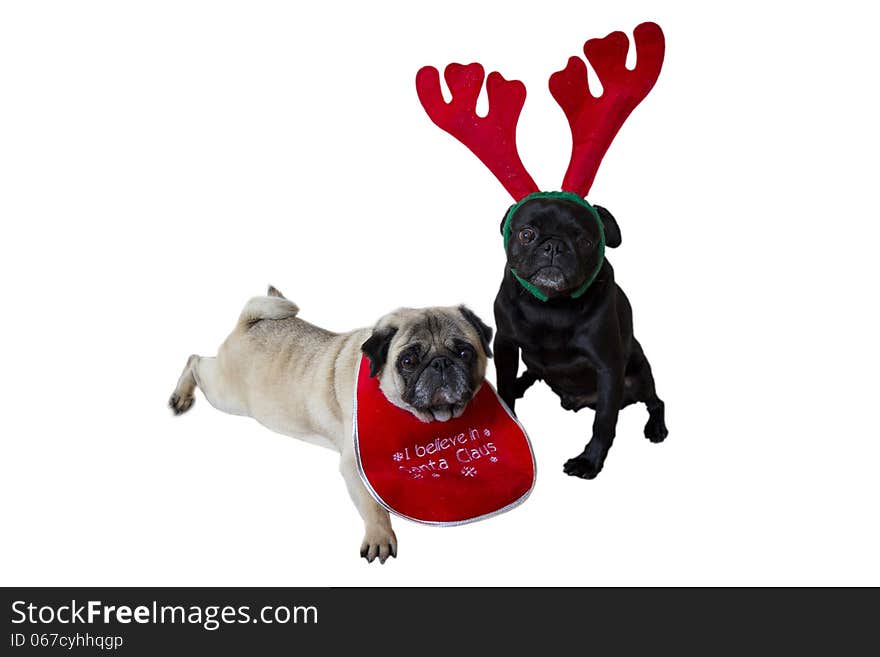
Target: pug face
point(429, 361)
point(554, 243)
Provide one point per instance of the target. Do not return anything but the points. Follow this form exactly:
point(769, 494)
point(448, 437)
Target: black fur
point(376, 348)
point(583, 348)
point(612, 230)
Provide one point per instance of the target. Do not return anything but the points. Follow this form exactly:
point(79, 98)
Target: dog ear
point(376, 348)
point(612, 230)
point(484, 331)
point(504, 219)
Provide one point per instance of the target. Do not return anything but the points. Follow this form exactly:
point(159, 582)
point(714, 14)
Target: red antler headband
point(594, 121)
point(491, 138)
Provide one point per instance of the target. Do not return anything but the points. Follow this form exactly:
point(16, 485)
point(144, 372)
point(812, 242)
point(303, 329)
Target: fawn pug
point(298, 379)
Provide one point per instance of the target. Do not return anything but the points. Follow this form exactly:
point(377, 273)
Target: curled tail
point(272, 306)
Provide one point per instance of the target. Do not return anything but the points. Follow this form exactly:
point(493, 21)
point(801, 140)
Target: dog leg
point(655, 429)
point(183, 396)
point(525, 382)
point(506, 365)
point(205, 373)
point(589, 463)
point(379, 539)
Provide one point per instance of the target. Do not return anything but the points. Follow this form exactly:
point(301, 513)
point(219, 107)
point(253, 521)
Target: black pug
point(580, 340)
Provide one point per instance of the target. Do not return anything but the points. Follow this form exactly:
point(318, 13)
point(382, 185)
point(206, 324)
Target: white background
point(161, 162)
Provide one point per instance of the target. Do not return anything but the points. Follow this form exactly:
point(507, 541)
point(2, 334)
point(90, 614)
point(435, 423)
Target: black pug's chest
point(559, 343)
point(561, 364)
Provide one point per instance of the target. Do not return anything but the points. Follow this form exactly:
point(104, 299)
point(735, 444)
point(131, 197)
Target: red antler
point(595, 121)
point(491, 138)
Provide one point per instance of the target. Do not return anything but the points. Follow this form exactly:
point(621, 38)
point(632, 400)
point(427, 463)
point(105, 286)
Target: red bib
point(441, 473)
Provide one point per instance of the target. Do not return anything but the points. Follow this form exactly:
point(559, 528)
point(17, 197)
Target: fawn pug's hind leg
point(224, 390)
point(205, 373)
point(183, 396)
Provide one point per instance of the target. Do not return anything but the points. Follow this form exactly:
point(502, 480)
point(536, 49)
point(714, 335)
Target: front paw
point(655, 430)
point(583, 466)
point(379, 542)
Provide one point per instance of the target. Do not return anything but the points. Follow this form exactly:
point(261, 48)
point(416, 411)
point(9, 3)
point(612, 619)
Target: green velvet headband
point(568, 196)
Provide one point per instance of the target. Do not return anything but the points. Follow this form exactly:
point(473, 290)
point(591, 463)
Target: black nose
point(552, 248)
point(441, 364)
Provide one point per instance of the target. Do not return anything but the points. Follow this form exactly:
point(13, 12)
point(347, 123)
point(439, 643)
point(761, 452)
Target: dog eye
point(465, 354)
point(526, 235)
point(409, 361)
